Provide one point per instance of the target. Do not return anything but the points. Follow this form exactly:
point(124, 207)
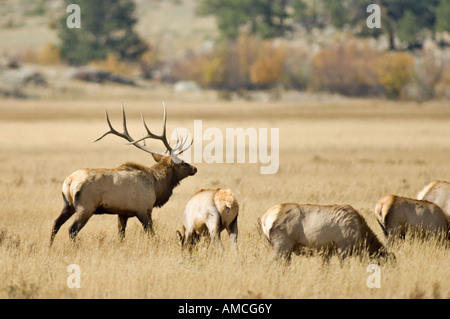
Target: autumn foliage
point(395, 71)
point(351, 68)
point(267, 69)
point(346, 68)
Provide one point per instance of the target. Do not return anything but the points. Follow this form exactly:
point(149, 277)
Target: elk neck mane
point(161, 175)
point(165, 181)
point(163, 178)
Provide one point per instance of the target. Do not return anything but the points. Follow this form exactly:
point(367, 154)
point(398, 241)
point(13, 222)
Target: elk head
point(180, 167)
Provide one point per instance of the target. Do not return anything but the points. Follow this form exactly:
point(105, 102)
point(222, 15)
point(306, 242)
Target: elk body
point(208, 213)
point(437, 192)
point(129, 190)
point(331, 229)
point(397, 214)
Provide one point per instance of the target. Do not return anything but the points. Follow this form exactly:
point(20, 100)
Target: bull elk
point(129, 190)
point(208, 213)
point(328, 229)
point(396, 215)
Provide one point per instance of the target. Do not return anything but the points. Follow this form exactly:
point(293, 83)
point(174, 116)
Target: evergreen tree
point(409, 18)
point(406, 19)
point(443, 16)
point(106, 27)
point(408, 27)
point(265, 18)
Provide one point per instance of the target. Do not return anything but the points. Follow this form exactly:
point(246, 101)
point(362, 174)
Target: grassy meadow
point(341, 151)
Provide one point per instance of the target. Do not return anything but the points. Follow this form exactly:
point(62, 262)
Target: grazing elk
point(208, 213)
point(129, 190)
point(396, 215)
point(330, 229)
point(437, 192)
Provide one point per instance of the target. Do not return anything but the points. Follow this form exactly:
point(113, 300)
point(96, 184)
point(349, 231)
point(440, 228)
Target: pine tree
point(443, 16)
point(408, 27)
point(106, 27)
point(264, 18)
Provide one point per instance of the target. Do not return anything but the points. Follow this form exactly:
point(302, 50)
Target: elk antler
point(131, 141)
point(177, 149)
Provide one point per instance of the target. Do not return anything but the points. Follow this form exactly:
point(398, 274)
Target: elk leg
point(282, 251)
point(213, 225)
point(147, 223)
point(191, 239)
point(66, 213)
point(122, 225)
point(233, 232)
point(80, 221)
point(214, 235)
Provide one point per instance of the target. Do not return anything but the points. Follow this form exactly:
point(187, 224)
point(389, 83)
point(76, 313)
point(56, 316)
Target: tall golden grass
point(350, 151)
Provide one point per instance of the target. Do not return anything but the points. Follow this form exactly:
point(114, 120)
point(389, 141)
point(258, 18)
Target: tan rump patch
point(383, 206)
point(268, 218)
point(222, 198)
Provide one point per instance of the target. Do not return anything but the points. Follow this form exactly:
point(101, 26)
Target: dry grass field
point(342, 151)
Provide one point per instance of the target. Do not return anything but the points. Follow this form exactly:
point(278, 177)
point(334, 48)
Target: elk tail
point(224, 198)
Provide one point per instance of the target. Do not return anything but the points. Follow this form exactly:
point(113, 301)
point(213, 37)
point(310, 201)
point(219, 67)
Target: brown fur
point(396, 215)
point(208, 213)
point(129, 190)
point(292, 227)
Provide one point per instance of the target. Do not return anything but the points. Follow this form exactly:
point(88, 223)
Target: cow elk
point(397, 215)
point(208, 213)
point(129, 190)
point(437, 192)
point(331, 229)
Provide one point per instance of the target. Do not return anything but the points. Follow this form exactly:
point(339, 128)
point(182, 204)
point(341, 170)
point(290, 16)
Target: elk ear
point(179, 238)
point(157, 157)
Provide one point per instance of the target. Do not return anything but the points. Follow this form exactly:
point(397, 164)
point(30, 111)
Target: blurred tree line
point(254, 51)
point(108, 24)
point(409, 20)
